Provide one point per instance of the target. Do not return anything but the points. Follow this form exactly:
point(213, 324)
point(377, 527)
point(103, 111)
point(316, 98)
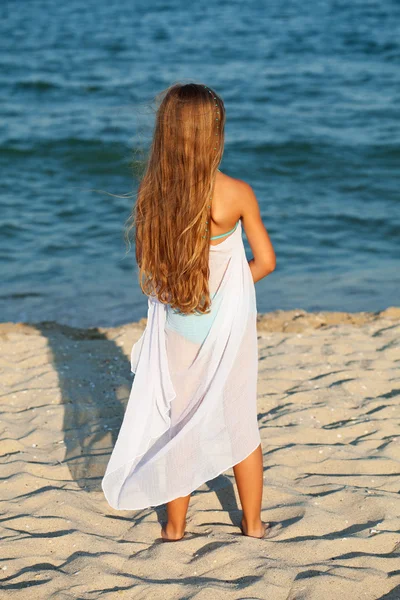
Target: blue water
point(312, 93)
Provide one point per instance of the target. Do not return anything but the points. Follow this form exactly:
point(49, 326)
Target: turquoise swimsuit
point(191, 326)
point(215, 237)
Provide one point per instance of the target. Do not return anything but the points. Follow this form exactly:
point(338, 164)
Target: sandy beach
point(328, 408)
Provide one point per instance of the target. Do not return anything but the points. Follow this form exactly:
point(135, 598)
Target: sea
point(312, 96)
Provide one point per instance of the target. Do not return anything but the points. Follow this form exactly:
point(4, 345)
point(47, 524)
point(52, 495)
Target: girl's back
point(225, 206)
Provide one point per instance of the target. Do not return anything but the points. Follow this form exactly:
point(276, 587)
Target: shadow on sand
point(95, 380)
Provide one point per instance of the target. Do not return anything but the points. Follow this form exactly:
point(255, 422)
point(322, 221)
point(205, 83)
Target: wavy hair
point(172, 212)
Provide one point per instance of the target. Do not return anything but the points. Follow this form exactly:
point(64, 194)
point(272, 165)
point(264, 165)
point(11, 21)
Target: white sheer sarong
point(192, 410)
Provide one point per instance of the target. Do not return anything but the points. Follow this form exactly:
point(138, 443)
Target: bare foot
point(257, 532)
point(169, 534)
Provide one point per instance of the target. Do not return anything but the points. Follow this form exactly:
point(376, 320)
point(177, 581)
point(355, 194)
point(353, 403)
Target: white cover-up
point(192, 410)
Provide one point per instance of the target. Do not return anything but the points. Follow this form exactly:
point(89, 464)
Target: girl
point(192, 410)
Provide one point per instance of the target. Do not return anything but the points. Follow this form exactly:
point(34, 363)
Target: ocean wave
point(38, 85)
point(79, 150)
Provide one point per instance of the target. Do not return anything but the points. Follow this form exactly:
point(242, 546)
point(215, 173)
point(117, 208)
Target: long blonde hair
point(172, 212)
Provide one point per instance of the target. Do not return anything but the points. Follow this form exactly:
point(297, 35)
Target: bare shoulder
point(236, 190)
point(246, 196)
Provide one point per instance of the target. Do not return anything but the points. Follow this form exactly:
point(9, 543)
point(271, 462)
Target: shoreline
point(294, 320)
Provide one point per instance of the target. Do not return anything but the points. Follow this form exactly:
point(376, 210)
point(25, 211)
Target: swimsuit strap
point(215, 237)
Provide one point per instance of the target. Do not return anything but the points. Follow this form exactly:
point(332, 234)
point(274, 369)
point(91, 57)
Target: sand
point(329, 386)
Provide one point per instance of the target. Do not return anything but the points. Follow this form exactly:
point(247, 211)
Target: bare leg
point(249, 480)
point(176, 515)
